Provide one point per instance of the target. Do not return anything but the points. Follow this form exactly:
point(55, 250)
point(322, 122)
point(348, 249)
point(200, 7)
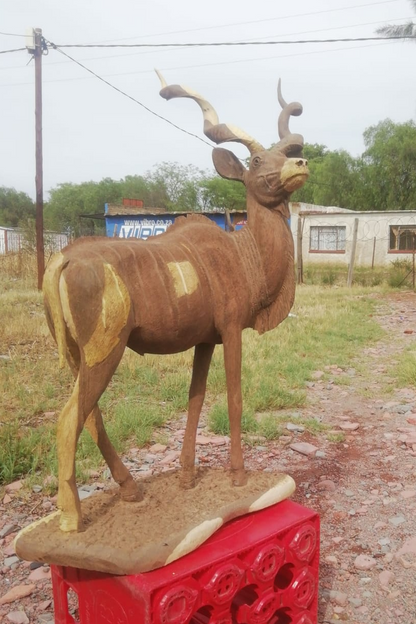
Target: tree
point(390, 165)
point(15, 207)
point(400, 30)
point(181, 183)
point(218, 193)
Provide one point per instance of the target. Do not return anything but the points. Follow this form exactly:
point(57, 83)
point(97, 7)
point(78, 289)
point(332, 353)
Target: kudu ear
point(227, 164)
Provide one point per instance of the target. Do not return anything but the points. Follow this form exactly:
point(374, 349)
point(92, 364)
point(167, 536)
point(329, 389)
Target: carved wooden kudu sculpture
point(194, 286)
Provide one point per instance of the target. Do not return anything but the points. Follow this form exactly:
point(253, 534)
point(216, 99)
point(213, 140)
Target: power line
point(231, 43)
point(179, 67)
point(130, 97)
point(8, 51)
point(11, 34)
point(106, 57)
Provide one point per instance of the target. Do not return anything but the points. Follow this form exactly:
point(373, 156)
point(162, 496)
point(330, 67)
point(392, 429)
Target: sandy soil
point(364, 487)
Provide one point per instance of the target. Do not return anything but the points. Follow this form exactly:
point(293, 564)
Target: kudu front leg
point(130, 490)
point(232, 362)
point(202, 361)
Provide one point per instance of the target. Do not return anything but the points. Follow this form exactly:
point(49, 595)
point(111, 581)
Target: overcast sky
point(91, 131)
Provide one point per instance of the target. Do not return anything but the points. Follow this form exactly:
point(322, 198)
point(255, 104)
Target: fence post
point(352, 259)
point(299, 254)
point(413, 263)
point(6, 247)
point(374, 252)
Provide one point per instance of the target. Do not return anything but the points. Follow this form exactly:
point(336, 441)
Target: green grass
point(330, 327)
point(405, 371)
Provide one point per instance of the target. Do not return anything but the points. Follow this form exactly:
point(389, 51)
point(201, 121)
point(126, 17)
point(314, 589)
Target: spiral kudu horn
point(289, 144)
point(213, 129)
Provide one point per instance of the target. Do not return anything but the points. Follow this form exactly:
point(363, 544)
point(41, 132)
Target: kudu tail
point(53, 303)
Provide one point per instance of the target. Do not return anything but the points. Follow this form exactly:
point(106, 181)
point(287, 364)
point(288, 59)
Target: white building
point(327, 234)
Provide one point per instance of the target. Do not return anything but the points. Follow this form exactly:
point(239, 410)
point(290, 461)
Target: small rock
point(297, 428)
point(170, 457)
point(408, 494)
point(200, 439)
point(304, 448)
point(14, 487)
point(349, 426)
point(9, 561)
point(46, 618)
point(320, 454)
point(7, 499)
point(338, 597)
point(39, 575)
point(8, 529)
point(356, 602)
point(17, 617)
point(158, 448)
point(364, 562)
point(17, 592)
point(37, 488)
point(397, 520)
point(385, 578)
point(327, 485)
point(409, 547)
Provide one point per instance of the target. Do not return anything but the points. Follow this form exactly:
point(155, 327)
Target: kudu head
point(272, 174)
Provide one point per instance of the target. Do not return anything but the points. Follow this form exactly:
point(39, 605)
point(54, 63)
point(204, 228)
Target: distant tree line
point(382, 178)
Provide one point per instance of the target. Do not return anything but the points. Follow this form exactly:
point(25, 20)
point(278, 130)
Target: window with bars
point(327, 238)
point(402, 238)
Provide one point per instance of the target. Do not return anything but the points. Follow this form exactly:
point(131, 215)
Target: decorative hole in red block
point(202, 616)
point(260, 611)
point(176, 605)
point(224, 583)
point(303, 589)
point(281, 616)
point(72, 605)
point(284, 577)
point(244, 598)
point(267, 563)
point(303, 545)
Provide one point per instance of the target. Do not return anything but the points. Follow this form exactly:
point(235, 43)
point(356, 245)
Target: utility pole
point(35, 47)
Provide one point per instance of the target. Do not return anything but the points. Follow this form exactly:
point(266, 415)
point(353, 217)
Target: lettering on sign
point(143, 229)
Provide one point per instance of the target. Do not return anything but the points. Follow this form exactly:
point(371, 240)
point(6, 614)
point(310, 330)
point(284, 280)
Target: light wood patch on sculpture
point(185, 278)
point(114, 313)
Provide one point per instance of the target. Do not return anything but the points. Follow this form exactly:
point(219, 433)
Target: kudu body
point(194, 286)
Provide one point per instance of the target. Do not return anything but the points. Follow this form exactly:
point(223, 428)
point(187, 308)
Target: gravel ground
point(364, 487)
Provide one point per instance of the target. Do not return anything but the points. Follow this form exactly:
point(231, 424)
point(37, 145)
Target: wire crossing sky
point(330, 58)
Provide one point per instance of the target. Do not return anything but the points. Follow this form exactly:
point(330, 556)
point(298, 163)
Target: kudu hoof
point(187, 479)
point(131, 492)
point(239, 477)
point(69, 523)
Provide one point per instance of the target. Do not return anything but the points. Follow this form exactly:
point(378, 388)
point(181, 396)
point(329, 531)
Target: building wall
point(145, 225)
point(373, 235)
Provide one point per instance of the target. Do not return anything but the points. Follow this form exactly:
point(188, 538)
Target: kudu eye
point(256, 161)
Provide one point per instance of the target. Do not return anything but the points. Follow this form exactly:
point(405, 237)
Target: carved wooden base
point(131, 537)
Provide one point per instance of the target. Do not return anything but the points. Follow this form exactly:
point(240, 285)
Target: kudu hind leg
point(89, 386)
point(130, 490)
point(202, 361)
point(232, 362)
point(70, 425)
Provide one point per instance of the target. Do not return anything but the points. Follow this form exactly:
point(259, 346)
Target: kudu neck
point(259, 217)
